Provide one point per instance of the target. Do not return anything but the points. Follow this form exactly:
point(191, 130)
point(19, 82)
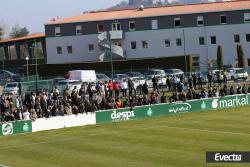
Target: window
point(91, 47)
point(133, 45)
point(116, 26)
point(236, 38)
point(200, 21)
point(59, 50)
point(145, 44)
point(100, 28)
point(223, 19)
point(70, 49)
point(131, 26)
point(201, 40)
point(177, 22)
point(248, 37)
point(178, 42)
point(246, 17)
point(58, 31)
point(213, 39)
point(167, 43)
point(78, 30)
point(154, 24)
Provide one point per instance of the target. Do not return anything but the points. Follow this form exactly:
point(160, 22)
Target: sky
point(34, 13)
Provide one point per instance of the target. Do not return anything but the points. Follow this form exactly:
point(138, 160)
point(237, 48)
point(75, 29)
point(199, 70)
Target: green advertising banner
point(18, 127)
point(117, 115)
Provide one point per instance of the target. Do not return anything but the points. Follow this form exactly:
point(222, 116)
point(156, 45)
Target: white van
point(82, 75)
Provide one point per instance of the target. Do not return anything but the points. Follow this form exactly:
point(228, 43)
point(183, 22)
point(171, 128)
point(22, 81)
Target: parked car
point(102, 77)
point(137, 78)
point(215, 73)
point(11, 88)
point(174, 72)
point(159, 73)
point(7, 76)
point(62, 85)
point(236, 74)
point(120, 77)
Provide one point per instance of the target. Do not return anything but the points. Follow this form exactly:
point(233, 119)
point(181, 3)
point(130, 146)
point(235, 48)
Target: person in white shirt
point(26, 115)
point(124, 87)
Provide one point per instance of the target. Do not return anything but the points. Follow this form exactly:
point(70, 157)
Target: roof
point(29, 37)
point(155, 11)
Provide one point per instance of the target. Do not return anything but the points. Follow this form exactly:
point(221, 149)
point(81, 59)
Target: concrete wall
point(63, 122)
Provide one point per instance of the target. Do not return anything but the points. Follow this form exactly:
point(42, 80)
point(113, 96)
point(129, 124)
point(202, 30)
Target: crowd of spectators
point(110, 95)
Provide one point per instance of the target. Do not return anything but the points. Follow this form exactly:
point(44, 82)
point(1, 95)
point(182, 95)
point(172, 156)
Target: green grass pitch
point(172, 141)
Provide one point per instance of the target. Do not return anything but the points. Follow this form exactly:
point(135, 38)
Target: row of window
point(167, 43)
point(154, 24)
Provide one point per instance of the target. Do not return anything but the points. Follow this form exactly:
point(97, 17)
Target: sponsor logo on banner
point(7, 129)
point(149, 112)
point(232, 102)
point(121, 116)
point(203, 105)
point(180, 107)
point(26, 127)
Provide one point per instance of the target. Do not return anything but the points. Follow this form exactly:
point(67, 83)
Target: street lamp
point(27, 66)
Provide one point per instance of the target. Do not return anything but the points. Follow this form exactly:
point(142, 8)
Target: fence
point(27, 87)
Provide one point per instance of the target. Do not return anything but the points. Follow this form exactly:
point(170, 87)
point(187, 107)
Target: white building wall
point(80, 49)
point(156, 47)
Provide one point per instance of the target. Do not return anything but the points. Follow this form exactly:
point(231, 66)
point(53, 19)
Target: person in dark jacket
point(131, 87)
point(145, 88)
point(155, 84)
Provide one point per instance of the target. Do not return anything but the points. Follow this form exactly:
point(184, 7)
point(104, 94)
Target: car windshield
point(121, 76)
point(177, 71)
point(155, 73)
point(134, 74)
point(62, 83)
point(11, 85)
point(240, 71)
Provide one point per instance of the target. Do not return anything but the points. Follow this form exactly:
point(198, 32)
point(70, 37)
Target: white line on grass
point(201, 130)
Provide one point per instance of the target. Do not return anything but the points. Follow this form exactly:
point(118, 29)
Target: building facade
point(196, 30)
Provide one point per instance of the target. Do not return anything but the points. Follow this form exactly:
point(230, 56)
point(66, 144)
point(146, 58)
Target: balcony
point(116, 34)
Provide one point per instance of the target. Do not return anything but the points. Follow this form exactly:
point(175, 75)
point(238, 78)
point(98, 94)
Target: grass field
point(173, 141)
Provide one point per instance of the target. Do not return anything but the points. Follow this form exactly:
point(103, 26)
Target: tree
point(190, 62)
point(17, 32)
point(219, 58)
point(241, 57)
point(1, 32)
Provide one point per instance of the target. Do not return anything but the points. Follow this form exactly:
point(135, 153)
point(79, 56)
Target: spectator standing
point(116, 89)
point(145, 88)
point(194, 80)
point(209, 78)
point(110, 88)
point(130, 87)
point(225, 76)
point(90, 92)
point(102, 90)
point(155, 84)
point(190, 82)
point(168, 82)
point(124, 87)
point(199, 81)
